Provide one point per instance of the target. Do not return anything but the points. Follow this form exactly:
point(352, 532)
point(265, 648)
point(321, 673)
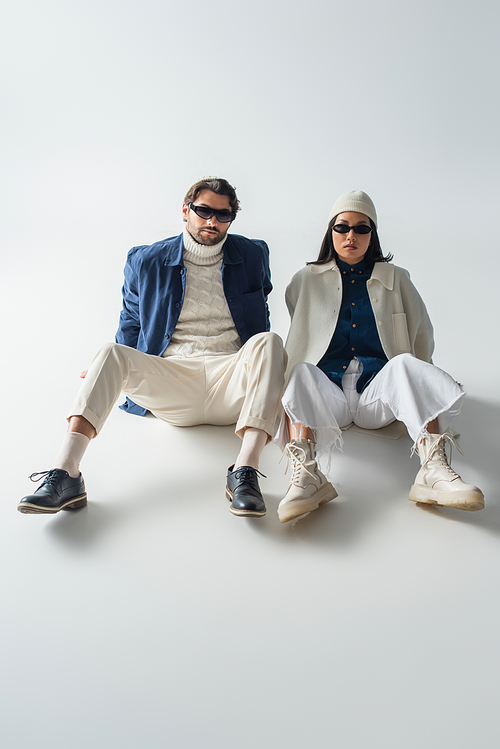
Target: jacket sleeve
point(292, 294)
point(419, 324)
point(129, 326)
point(266, 283)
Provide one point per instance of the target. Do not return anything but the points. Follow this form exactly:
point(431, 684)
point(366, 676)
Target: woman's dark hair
point(327, 252)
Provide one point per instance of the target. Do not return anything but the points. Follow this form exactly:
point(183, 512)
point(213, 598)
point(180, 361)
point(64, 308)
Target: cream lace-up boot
point(308, 487)
point(437, 483)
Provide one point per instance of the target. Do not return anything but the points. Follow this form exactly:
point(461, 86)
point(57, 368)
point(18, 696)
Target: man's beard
point(207, 240)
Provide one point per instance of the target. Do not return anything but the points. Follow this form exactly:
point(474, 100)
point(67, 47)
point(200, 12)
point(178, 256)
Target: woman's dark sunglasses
point(345, 229)
point(203, 211)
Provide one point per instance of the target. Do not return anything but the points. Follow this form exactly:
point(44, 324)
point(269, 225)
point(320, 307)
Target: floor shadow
point(115, 503)
point(83, 529)
point(479, 427)
point(344, 520)
point(360, 504)
point(338, 523)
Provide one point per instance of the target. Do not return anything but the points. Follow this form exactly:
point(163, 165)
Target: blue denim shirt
point(356, 334)
point(153, 293)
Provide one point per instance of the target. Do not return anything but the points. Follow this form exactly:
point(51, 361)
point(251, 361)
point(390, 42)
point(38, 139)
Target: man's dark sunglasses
point(345, 229)
point(203, 211)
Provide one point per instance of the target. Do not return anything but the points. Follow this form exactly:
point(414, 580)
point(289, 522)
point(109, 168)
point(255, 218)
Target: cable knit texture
point(205, 326)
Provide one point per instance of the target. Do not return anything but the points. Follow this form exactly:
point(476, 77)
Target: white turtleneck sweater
point(205, 326)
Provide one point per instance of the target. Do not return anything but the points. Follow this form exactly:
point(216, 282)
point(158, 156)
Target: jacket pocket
point(400, 329)
point(254, 308)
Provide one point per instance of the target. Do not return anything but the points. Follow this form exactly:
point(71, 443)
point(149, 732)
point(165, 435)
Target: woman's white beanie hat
point(355, 200)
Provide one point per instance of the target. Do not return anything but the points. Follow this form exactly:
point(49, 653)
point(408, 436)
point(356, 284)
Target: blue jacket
point(153, 293)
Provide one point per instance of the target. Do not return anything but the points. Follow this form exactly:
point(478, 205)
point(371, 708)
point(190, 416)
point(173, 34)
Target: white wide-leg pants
point(244, 387)
point(406, 389)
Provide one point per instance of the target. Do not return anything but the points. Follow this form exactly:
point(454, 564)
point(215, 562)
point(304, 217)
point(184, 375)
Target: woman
point(360, 347)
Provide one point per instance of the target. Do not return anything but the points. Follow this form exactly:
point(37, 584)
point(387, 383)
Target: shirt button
point(177, 304)
point(353, 304)
point(380, 322)
point(375, 300)
point(352, 268)
point(352, 348)
point(354, 324)
point(353, 281)
point(344, 367)
point(167, 336)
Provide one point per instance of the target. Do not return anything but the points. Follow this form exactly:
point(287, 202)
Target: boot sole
point(469, 501)
point(72, 504)
point(299, 508)
point(243, 513)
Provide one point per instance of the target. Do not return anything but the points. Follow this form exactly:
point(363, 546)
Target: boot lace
point(438, 450)
point(298, 456)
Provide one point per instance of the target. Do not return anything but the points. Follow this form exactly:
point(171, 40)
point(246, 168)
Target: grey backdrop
point(154, 618)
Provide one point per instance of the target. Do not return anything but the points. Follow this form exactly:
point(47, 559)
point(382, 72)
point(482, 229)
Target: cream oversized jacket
point(314, 296)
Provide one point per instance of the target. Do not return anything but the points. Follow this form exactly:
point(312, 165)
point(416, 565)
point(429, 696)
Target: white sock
point(71, 452)
point(254, 441)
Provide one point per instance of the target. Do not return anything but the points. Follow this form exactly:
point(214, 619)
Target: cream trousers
point(406, 389)
point(244, 387)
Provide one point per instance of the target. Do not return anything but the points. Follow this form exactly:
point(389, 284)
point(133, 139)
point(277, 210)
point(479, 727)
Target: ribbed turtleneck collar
point(200, 254)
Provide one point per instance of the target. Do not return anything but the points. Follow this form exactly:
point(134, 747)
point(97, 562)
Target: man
point(192, 347)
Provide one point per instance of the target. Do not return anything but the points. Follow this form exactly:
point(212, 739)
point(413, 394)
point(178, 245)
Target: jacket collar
point(383, 272)
point(174, 247)
point(231, 253)
point(173, 251)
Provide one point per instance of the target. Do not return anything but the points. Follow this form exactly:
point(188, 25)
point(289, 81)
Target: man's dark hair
point(327, 251)
point(217, 185)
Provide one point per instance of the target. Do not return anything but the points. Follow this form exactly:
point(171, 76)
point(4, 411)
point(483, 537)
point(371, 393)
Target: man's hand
point(83, 374)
